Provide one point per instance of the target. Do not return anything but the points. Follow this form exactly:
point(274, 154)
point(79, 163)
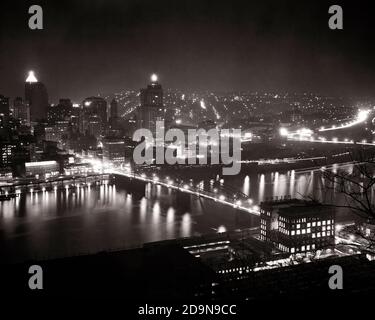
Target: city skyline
point(188, 152)
point(102, 47)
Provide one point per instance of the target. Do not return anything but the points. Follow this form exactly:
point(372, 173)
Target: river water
point(87, 220)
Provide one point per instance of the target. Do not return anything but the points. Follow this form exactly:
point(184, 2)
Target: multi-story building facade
point(114, 150)
point(36, 97)
point(151, 109)
point(21, 111)
point(57, 132)
point(297, 226)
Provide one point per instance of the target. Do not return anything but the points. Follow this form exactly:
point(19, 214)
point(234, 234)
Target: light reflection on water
point(246, 186)
point(261, 188)
point(90, 219)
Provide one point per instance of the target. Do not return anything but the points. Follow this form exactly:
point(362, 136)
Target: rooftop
point(295, 207)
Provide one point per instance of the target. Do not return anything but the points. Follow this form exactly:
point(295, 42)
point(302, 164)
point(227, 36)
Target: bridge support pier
point(183, 201)
point(132, 186)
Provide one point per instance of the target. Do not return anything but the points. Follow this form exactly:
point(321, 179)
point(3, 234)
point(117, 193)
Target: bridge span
point(225, 195)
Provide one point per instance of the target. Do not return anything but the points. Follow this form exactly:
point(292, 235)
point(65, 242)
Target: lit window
point(293, 233)
point(292, 250)
point(298, 231)
point(298, 226)
point(308, 230)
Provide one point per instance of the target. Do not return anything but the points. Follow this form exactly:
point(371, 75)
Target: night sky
point(106, 46)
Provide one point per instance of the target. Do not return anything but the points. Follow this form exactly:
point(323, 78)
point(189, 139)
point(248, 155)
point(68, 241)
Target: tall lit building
point(151, 108)
point(114, 110)
point(61, 111)
point(57, 132)
point(36, 97)
point(114, 150)
point(95, 106)
point(113, 118)
point(21, 111)
point(4, 116)
point(6, 154)
point(93, 113)
point(297, 226)
point(94, 126)
point(4, 106)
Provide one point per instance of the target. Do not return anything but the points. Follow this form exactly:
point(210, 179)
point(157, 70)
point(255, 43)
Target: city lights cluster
point(307, 135)
point(362, 116)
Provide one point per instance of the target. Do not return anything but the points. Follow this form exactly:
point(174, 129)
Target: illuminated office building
point(151, 108)
point(61, 111)
point(114, 150)
point(95, 106)
point(21, 111)
point(297, 226)
point(4, 106)
point(36, 97)
point(113, 111)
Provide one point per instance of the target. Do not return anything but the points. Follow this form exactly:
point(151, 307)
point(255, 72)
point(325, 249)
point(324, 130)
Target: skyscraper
point(36, 96)
point(113, 111)
point(93, 107)
point(4, 106)
point(4, 117)
point(62, 111)
point(21, 111)
point(151, 108)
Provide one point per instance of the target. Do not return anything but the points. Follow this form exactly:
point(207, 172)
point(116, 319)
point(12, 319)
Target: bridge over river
point(226, 195)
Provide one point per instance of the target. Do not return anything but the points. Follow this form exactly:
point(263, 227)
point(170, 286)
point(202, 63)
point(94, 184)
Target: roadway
point(239, 202)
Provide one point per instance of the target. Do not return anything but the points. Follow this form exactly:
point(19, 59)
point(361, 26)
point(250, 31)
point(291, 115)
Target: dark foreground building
point(167, 273)
point(152, 273)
